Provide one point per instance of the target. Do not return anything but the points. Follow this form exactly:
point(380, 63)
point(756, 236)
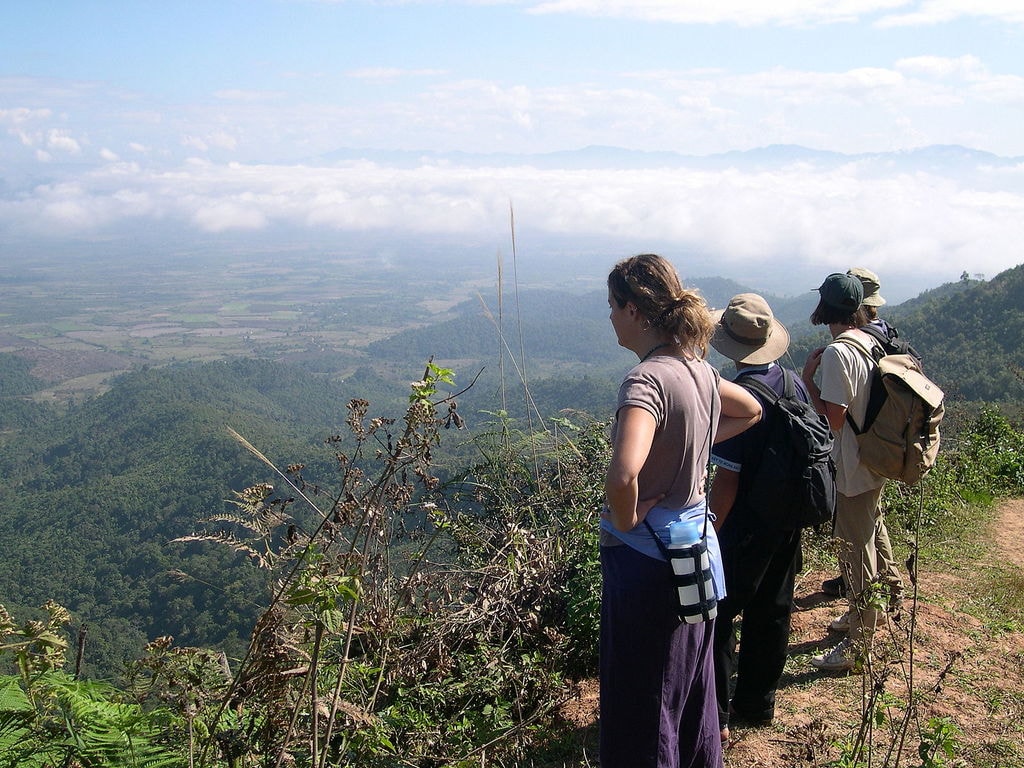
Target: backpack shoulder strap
point(878, 335)
point(857, 344)
point(758, 387)
point(788, 385)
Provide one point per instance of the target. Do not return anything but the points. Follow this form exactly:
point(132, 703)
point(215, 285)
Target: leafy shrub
point(49, 717)
point(413, 620)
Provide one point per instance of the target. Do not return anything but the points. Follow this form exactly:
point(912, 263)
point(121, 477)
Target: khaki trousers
point(861, 528)
point(888, 571)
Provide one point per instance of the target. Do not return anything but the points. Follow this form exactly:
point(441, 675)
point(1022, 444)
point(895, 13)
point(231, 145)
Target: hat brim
point(774, 347)
point(873, 301)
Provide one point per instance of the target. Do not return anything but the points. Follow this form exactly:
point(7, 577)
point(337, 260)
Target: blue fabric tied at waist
point(660, 518)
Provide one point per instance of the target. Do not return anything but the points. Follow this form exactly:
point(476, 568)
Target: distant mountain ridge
point(949, 157)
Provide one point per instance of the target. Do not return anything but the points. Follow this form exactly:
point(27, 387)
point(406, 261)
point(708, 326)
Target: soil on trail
point(963, 671)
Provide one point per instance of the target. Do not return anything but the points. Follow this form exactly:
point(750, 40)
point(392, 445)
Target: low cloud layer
point(857, 211)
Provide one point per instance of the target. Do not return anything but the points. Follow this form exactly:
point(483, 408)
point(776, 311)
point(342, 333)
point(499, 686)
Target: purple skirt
point(658, 703)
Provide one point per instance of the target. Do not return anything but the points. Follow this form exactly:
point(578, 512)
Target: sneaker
point(842, 624)
point(834, 587)
point(839, 659)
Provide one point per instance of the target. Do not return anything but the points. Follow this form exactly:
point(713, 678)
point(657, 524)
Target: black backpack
point(789, 478)
point(891, 343)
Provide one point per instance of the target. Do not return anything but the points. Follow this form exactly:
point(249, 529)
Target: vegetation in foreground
point(420, 622)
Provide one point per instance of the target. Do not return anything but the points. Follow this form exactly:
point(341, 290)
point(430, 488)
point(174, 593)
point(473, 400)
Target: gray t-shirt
point(680, 394)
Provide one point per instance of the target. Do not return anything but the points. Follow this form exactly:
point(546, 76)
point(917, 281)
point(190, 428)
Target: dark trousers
point(760, 572)
point(657, 673)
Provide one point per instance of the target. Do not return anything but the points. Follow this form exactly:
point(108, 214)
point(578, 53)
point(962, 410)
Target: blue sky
point(220, 117)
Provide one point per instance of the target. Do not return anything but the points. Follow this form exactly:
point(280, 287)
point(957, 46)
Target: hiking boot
point(751, 719)
point(834, 587)
point(839, 659)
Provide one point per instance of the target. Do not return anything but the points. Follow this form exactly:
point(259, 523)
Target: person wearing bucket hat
point(845, 376)
point(761, 560)
point(870, 284)
point(747, 332)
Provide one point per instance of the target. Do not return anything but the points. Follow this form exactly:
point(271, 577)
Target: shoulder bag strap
point(713, 419)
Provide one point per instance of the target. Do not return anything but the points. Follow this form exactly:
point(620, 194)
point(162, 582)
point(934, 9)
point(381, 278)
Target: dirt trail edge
point(963, 671)
point(1009, 533)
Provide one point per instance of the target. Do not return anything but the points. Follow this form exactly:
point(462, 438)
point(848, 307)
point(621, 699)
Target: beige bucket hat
point(746, 331)
point(871, 286)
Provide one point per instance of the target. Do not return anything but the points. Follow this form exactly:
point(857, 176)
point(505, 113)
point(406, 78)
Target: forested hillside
point(972, 339)
point(92, 498)
point(556, 328)
point(969, 333)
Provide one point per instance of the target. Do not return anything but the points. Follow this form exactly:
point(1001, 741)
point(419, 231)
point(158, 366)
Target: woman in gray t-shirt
point(658, 704)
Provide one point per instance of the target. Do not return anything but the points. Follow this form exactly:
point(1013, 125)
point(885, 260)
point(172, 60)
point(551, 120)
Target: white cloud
point(224, 215)
point(60, 141)
point(20, 116)
point(941, 68)
point(222, 139)
point(194, 142)
point(749, 13)
point(1005, 89)
point(249, 97)
point(804, 215)
point(930, 12)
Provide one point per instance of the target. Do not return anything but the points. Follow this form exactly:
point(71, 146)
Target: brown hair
point(826, 314)
point(653, 285)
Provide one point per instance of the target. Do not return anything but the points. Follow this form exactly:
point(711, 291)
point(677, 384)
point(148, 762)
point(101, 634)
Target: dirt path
point(1009, 537)
point(964, 671)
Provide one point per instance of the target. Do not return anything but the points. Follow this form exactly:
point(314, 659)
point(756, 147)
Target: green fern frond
point(12, 697)
point(96, 727)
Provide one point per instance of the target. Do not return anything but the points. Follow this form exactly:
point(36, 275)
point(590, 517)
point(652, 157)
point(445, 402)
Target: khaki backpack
point(899, 438)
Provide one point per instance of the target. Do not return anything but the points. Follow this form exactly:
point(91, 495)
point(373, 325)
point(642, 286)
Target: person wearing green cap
point(845, 376)
point(888, 570)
